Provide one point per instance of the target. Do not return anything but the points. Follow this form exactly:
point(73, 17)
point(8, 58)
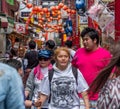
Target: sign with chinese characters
point(83, 19)
point(20, 28)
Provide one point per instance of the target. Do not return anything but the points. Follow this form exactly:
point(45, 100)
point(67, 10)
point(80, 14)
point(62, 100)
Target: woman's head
point(62, 57)
point(32, 44)
point(44, 57)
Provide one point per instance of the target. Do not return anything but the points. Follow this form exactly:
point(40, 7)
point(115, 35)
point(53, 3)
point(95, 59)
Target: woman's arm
point(29, 84)
point(86, 99)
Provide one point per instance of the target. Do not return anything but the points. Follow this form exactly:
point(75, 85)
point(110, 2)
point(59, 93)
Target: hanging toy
point(80, 6)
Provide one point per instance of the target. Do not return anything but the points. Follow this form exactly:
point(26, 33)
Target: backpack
point(50, 76)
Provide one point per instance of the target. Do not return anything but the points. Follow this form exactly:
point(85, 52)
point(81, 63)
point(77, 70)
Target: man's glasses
point(44, 59)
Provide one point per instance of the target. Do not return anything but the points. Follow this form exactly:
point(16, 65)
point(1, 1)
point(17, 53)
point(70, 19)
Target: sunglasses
point(44, 59)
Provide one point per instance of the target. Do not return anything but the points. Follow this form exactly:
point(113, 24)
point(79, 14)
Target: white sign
point(20, 28)
point(83, 19)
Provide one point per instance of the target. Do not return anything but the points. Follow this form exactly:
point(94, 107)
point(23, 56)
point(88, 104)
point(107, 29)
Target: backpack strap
point(50, 76)
point(75, 73)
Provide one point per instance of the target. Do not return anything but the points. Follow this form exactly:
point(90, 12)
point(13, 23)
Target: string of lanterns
point(46, 15)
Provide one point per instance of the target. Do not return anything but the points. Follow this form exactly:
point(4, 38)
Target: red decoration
point(29, 5)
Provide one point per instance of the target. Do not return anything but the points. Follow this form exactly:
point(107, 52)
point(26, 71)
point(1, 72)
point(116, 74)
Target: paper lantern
point(73, 12)
point(60, 5)
point(45, 10)
point(29, 5)
point(65, 7)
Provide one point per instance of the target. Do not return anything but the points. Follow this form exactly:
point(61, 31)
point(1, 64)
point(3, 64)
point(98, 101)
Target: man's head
point(90, 38)
point(32, 44)
point(50, 44)
point(68, 43)
point(15, 64)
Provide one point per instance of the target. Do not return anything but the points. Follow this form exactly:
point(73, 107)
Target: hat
point(44, 53)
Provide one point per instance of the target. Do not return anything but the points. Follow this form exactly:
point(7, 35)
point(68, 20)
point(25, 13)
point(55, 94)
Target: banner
point(11, 2)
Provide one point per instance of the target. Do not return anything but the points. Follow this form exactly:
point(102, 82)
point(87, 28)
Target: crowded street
point(59, 54)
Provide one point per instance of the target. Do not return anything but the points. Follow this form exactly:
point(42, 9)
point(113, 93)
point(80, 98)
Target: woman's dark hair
point(103, 76)
point(13, 63)
point(91, 32)
point(32, 44)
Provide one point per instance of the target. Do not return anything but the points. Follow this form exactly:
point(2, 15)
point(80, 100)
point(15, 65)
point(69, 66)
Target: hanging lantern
point(45, 10)
point(29, 5)
point(48, 14)
point(39, 9)
point(59, 12)
point(68, 10)
point(51, 18)
point(60, 5)
point(53, 8)
point(73, 12)
point(57, 8)
point(48, 20)
point(59, 17)
point(41, 13)
point(65, 7)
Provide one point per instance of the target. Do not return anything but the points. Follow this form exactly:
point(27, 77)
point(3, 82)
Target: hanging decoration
point(103, 18)
point(80, 6)
point(46, 16)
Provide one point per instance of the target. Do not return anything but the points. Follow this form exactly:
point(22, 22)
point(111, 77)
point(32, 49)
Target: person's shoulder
point(8, 71)
point(103, 49)
point(80, 50)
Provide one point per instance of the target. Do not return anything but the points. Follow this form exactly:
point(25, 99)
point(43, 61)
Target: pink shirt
point(90, 63)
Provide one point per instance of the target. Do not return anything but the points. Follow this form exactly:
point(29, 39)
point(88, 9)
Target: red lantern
point(39, 9)
point(65, 7)
point(41, 13)
point(45, 10)
point(68, 10)
point(48, 14)
point(73, 12)
point(60, 5)
point(56, 7)
point(59, 13)
point(48, 20)
point(59, 17)
point(53, 8)
point(29, 5)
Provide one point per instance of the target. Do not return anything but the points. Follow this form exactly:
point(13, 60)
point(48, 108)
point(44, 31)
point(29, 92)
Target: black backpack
point(50, 76)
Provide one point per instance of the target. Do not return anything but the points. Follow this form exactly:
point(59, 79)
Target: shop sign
point(83, 19)
point(20, 28)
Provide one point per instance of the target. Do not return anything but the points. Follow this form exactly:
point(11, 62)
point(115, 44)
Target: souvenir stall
point(103, 19)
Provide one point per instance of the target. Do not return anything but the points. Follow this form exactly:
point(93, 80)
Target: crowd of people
point(62, 78)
